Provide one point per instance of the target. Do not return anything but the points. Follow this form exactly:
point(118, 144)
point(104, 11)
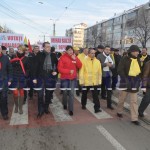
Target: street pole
point(54, 26)
point(44, 38)
point(54, 29)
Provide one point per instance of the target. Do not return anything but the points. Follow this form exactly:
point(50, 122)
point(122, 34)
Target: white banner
point(9, 39)
point(60, 42)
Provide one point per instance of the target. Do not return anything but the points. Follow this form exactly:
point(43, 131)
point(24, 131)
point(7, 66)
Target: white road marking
point(110, 138)
point(58, 112)
point(17, 119)
point(89, 106)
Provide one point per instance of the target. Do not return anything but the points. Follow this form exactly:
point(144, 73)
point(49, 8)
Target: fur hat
point(3, 47)
point(134, 48)
point(100, 47)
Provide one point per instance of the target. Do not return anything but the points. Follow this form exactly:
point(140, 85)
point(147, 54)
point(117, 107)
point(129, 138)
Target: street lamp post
point(54, 32)
point(54, 26)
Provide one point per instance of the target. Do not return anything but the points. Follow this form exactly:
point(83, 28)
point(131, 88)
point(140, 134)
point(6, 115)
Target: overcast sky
point(32, 17)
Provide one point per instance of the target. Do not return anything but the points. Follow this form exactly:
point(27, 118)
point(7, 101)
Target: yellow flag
point(25, 40)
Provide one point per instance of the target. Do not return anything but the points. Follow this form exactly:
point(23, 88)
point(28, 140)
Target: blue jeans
point(68, 90)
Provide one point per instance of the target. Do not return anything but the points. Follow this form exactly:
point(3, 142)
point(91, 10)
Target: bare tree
point(5, 29)
point(94, 35)
point(142, 26)
point(97, 36)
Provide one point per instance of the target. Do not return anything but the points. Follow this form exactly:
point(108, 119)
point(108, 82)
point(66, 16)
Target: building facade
point(5, 29)
point(121, 31)
point(77, 34)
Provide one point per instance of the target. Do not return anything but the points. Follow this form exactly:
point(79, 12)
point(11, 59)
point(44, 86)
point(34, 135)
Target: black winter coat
point(117, 60)
point(19, 78)
point(32, 61)
point(131, 84)
point(5, 72)
point(45, 79)
point(145, 60)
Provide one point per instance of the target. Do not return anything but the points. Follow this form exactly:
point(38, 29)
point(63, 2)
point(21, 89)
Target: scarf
point(108, 59)
point(134, 68)
point(20, 60)
point(143, 58)
point(47, 62)
point(113, 58)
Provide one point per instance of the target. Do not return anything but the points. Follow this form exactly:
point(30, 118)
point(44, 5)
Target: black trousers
point(106, 90)
point(31, 92)
point(3, 102)
point(26, 94)
point(114, 81)
point(79, 88)
point(96, 101)
point(44, 104)
point(103, 89)
point(145, 102)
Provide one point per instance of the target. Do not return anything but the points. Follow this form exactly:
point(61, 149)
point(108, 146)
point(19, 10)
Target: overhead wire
point(12, 17)
point(15, 14)
point(66, 8)
point(13, 11)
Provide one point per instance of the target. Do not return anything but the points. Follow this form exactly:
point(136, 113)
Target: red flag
point(29, 46)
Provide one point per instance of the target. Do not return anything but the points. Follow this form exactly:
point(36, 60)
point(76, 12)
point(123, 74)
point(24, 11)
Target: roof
point(118, 15)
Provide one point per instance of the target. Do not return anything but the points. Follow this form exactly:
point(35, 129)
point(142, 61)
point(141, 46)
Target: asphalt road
point(121, 135)
point(83, 131)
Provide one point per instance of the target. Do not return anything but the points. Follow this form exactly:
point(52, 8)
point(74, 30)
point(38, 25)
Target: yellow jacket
point(81, 57)
point(90, 74)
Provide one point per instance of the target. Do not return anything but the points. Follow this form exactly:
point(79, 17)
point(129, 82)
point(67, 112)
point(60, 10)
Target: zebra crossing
point(57, 113)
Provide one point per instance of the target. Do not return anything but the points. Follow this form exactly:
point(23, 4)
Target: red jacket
point(65, 64)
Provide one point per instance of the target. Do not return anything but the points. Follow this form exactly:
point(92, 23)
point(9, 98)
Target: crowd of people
point(79, 71)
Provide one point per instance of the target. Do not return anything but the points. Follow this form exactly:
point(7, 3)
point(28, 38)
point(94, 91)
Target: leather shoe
point(141, 115)
point(97, 111)
point(47, 111)
point(119, 115)
point(84, 107)
point(136, 122)
point(5, 117)
point(71, 113)
point(40, 114)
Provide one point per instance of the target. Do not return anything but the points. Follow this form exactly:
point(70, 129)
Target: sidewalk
point(146, 119)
